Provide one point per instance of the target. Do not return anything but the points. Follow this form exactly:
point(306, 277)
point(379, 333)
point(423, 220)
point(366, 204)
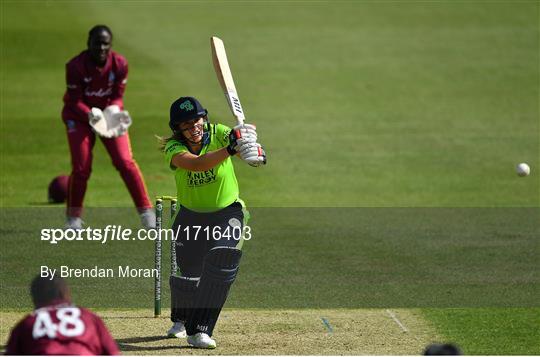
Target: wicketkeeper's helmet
point(185, 109)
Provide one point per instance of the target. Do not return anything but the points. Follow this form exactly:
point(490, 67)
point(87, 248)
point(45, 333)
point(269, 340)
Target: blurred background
point(360, 104)
point(357, 103)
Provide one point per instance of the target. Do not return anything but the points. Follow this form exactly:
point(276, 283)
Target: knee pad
point(221, 265)
point(219, 272)
point(183, 284)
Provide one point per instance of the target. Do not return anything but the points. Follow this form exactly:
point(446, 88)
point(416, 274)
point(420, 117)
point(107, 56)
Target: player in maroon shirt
point(97, 78)
point(56, 327)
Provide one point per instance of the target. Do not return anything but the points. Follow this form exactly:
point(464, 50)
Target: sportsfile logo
point(234, 231)
point(186, 106)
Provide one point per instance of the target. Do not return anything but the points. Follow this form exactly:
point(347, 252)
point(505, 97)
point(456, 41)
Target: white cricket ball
point(523, 169)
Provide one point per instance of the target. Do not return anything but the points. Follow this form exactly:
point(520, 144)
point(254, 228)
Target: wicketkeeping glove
point(94, 116)
point(109, 123)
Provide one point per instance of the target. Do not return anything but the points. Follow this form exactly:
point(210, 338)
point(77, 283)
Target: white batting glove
point(247, 130)
point(240, 135)
point(244, 133)
point(252, 153)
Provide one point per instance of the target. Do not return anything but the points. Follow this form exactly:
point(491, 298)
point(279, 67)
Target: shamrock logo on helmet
point(186, 106)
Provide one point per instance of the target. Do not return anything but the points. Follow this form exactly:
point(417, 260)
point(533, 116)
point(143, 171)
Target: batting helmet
point(185, 109)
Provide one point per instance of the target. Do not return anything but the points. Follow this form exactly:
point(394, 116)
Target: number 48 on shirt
point(69, 323)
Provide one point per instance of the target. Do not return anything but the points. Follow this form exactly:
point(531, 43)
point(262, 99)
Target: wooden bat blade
point(225, 78)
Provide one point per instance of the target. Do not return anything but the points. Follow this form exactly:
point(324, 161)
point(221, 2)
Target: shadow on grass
point(126, 317)
point(125, 344)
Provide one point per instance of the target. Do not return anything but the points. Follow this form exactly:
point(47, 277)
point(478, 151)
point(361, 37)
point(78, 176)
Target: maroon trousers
point(81, 141)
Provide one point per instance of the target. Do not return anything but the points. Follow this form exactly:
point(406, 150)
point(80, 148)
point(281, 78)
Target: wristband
point(231, 150)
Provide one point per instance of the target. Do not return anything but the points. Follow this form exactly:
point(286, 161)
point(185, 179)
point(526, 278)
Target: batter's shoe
point(178, 330)
point(74, 223)
point(148, 219)
point(201, 340)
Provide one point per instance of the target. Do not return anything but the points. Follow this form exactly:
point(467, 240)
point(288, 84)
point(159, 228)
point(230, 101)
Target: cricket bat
point(224, 75)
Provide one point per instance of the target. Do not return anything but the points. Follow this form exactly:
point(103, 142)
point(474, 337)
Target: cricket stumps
point(158, 249)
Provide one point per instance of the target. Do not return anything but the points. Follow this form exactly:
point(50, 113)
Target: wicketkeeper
point(199, 153)
point(93, 105)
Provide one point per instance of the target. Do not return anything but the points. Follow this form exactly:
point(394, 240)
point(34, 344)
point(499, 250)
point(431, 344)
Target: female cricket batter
point(211, 218)
point(97, 78)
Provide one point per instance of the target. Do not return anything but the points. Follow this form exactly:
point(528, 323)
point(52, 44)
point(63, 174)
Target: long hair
point(178, 136)
point(163, 140)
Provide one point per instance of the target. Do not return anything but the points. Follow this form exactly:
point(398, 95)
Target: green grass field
point(392, 131)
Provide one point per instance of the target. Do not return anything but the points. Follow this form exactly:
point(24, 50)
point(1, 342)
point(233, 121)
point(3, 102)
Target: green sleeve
point(172, 148)
point(222, 135)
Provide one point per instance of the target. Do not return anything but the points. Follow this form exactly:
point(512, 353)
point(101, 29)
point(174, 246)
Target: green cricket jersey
point(205, 191)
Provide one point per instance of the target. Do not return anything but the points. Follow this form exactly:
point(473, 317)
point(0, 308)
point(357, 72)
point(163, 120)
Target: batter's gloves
point(241, 134)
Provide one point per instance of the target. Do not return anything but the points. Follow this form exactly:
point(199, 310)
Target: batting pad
point(183, 291)
point(219, 272)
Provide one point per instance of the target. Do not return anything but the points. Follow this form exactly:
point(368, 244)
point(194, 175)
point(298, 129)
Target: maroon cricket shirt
point(91, 86)
point(61, 329)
